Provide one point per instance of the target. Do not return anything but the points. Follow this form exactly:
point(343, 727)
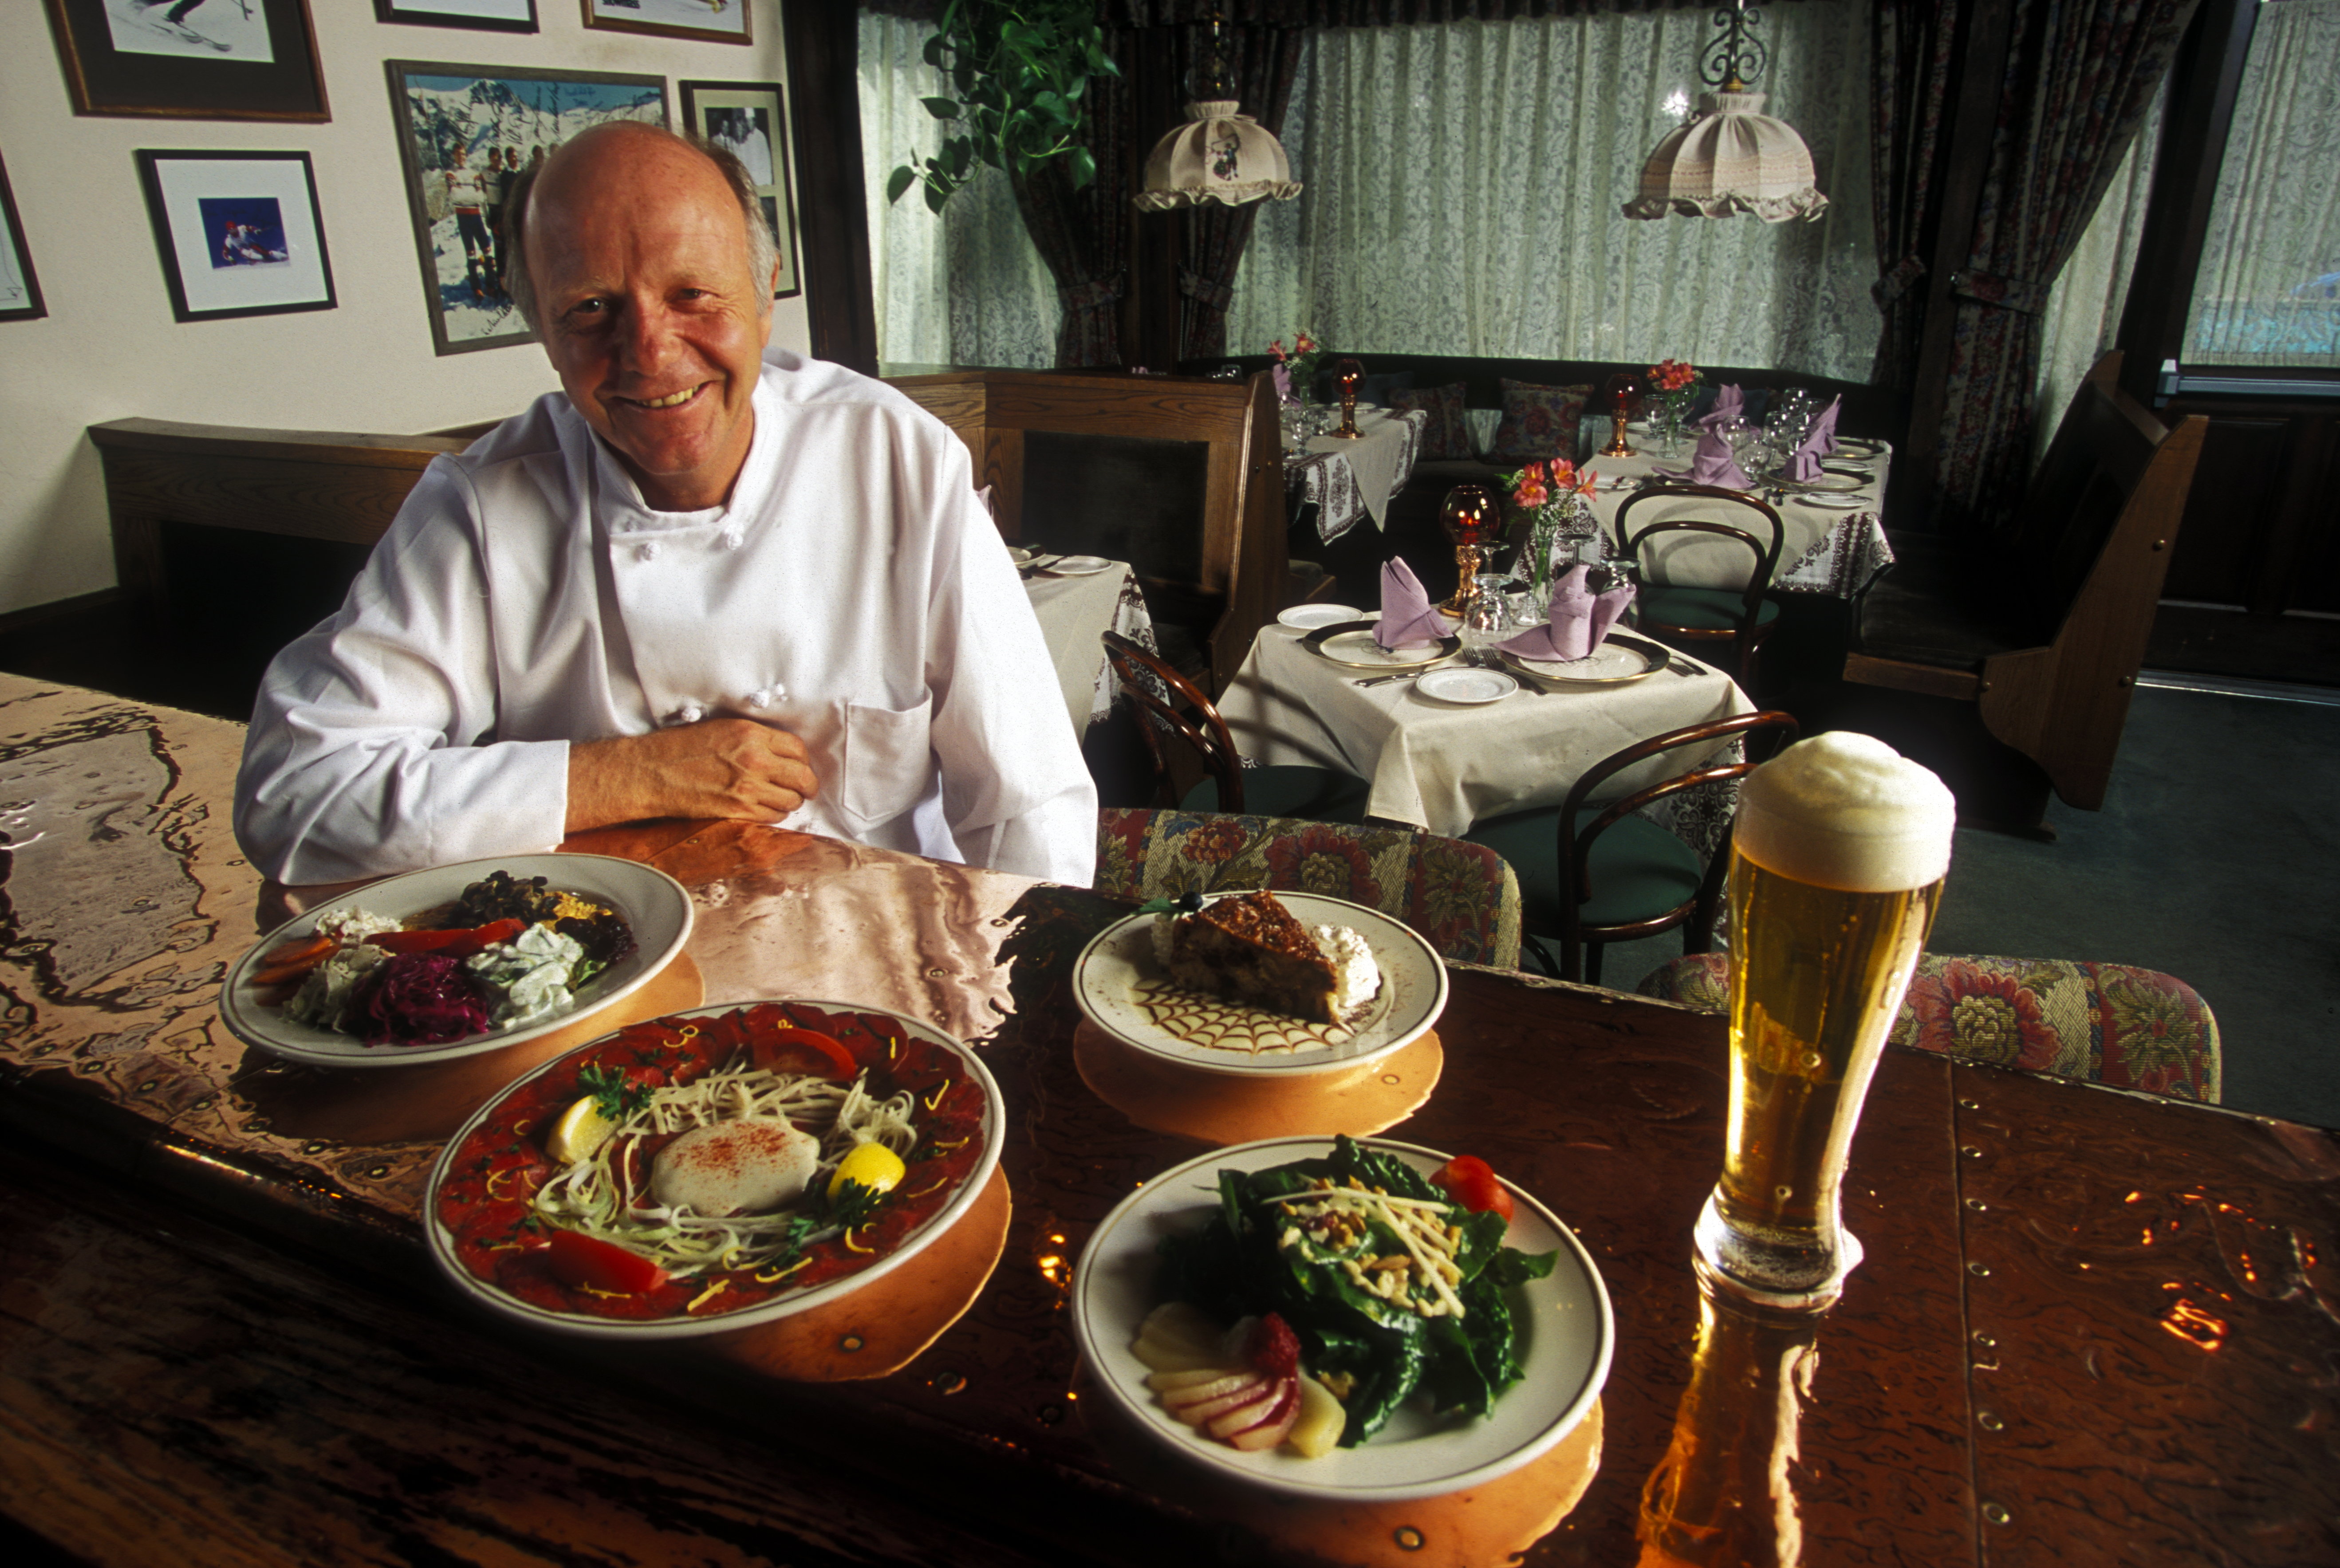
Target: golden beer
point(1821, 954)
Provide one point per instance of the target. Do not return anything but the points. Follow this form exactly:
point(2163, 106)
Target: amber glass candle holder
point(1623, 394)
point(1348, 373)
point(1473, 521)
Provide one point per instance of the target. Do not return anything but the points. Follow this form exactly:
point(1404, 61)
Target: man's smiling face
point(639, 252)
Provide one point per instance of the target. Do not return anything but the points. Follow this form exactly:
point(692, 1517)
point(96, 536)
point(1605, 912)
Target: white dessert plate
point(1258, 1043)
point(1309, 617)
point(1018, 554)
point(1466, 686)
point(1619, 660)
point(1350, 645)
point(1857, 446)
point(654, 905)
point(1835, 502)
point(468, 1217)
point(1078, 565)
point(1567, 1335)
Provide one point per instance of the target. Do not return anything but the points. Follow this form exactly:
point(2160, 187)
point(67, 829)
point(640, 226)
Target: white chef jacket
point(852, 592)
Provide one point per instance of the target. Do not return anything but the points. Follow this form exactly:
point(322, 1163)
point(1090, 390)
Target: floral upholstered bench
point(2105, 1023)
point(1464, 899)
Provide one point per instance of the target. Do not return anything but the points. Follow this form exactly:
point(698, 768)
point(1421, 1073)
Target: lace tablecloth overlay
point(1350, 480)
point(1074, 612)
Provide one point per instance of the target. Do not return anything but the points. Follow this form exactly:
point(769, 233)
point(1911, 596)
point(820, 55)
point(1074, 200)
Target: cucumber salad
point(1322, 1295)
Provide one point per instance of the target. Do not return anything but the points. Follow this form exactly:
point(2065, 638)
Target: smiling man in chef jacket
point(704, 580)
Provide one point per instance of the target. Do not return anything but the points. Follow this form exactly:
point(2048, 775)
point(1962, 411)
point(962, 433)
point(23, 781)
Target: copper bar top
point(2092, 1326)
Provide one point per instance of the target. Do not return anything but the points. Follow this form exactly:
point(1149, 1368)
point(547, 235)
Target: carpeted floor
point(2215, 859)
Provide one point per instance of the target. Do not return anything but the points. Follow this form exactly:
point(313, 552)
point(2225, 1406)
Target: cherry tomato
point(805, 1051)
point(1471, 1182)
point(589, 1262)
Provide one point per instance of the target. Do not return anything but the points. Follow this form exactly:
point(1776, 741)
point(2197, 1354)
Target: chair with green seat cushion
point(1169, 703)
point(1691, 614)
point(1612, 875)
point(2102, 1023)
point(1462, 899)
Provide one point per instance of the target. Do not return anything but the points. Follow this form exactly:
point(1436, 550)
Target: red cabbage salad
point(507, 954)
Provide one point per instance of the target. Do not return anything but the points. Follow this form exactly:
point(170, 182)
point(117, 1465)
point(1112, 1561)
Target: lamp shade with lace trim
point(1217, 156)
point(1732, 158)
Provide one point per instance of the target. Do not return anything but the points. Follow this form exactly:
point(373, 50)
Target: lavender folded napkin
point(1728, 402)
point(1823, 429)
point(1579, 619)
point(1713, 465)
point(1283, 374)
point(1408, 618)
point(1819, 442)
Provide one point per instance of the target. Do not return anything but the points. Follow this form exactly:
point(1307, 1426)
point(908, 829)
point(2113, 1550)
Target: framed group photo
point(239, 234)
point(486, 16)
point(749, 121)
point(20, 291)
point(464, 132)
point(191, 59)
point(709, 21)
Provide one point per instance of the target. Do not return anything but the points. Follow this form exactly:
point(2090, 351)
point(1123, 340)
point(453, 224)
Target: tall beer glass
point(1837, 863)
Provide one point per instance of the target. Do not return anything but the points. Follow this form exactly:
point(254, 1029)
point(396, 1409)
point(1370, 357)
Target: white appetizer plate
point(1078, 565)
point(1309, 617)
point(1413, 994)
point(1567, 1335)
point(1467, 686)
point(653, 904)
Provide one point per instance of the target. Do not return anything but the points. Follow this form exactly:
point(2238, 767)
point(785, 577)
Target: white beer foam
point(1846, 810)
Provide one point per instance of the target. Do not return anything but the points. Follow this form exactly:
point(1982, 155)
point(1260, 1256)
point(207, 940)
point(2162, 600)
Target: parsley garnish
point(613, 1097)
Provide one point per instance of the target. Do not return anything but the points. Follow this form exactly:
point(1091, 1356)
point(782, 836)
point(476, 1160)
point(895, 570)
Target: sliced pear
point(581, 1129)
point(1321, 1421)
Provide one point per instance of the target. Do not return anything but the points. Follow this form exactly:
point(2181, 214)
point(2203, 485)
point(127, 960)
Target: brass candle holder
point(1348, 373)
point(1624, 395)
point(1472, 519)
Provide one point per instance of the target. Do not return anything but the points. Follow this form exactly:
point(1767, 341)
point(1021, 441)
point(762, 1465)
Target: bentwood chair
point(1595, 874)
point(1170, 704)
point(1673, 613)
point(1462, 899)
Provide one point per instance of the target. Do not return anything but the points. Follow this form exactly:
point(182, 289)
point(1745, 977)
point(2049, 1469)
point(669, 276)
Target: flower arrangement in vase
point(1674, 384)
point(1553, 493)
point(1299, 366)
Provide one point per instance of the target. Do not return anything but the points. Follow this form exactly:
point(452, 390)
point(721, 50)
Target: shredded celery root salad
point(698, 1166)
point(506, 954)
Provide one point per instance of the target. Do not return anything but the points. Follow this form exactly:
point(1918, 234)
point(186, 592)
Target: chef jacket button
point(648, 552)
point(732, 537)
point(689, 714)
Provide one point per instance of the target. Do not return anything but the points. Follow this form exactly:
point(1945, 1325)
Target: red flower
point(1212, 842)
point(1981, 1015)
point(1323, 859)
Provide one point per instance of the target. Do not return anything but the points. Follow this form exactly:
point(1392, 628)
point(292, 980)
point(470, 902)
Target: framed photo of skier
point(708, 20)
point(239, 233)
point(191, 59)
point(487, 16)
point(464, 132)
point(20, 291)
point(749, 121)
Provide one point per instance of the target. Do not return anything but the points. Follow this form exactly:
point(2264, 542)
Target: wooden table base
point(1164, 1097)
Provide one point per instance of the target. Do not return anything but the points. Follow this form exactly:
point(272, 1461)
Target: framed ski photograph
point(191, 59)
point(464, 132)
point(487, 15)
point(709, 21)
point(239, 233)
point(20, 291)
point(749, 121)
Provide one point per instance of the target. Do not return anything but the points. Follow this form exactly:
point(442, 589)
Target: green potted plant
point(1021, 71)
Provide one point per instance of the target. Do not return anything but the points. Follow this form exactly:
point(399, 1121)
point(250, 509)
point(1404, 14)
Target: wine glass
point(1472, 519)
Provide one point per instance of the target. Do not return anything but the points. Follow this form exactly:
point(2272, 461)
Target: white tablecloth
point(1441, 767)
point(1824, 551)
point(1349, 479)
point(1074, 612)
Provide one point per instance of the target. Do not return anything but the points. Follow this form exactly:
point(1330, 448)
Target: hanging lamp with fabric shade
point(1220, 154)
point(1732, 157)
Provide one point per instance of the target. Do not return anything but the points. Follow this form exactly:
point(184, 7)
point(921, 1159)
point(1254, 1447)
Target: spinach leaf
point(1387, 1172)
point(1483, 1241)
point(1512, 1266)
point(1383, 1381)
point(1455, 1378)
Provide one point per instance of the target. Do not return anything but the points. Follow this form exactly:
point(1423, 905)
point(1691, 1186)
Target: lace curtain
point(964, 288)
point(2084, 308)
point(2267, 292)
point(1463, 182)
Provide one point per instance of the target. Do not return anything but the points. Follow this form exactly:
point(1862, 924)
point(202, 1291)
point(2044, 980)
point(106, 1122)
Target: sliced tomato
point(460, 943)
point(1471, 1182)
point(587, 1261)
point(805, 1051)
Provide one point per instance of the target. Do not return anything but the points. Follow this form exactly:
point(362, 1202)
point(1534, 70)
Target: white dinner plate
point(1078, 565)
point(1412, 995)
point(1833, 484)
point(1567, 1336)
point(1466, 686)
point(1309, 617)
point(508, 1133)
point(654, 905)
point(1619, 661)
point(1834, 502)
point(1856, 446)
point(1351, 644)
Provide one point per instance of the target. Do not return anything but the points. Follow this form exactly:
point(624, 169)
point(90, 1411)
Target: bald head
point(611, 154)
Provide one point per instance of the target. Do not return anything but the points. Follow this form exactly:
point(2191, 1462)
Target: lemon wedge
point(581, 1129)
point(874, 1165)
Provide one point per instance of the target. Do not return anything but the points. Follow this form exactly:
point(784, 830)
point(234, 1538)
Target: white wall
point(109, 349)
